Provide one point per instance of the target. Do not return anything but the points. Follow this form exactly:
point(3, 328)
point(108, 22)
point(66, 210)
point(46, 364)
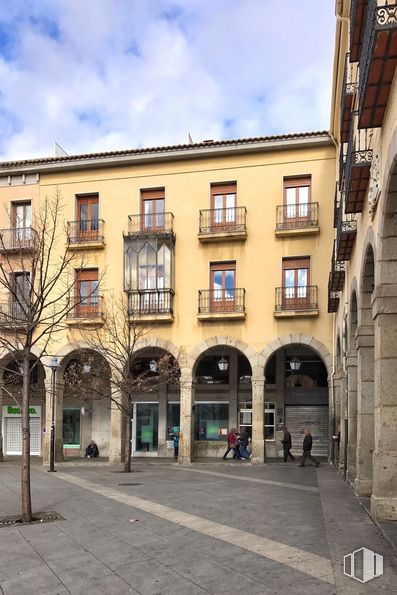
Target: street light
point(223, 364)
point(295, 364)
point(54, 365)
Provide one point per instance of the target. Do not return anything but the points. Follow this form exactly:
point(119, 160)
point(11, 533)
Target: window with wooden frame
point(20, 285)
point(222, 286)
point(21, 222)
point(223, 206)
point(87, 206)
point(152, 209)
point(87, 293)
point(295, 282)
point(296, 201)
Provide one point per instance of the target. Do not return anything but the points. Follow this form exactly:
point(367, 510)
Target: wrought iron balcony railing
point(221, 301)
point(346, 232)
point(378, 59)
point(14, 315)
point(147, 302)
point(349, 88)
point(89, 308)
point(338, 271)
point(337, 200)
point(358, 10)
point(299, 216)
point(296, 298)
point(229, 220)
point(17, 239)
point(333, 297)
point(85, 231)
point(357, 171)
point(149, 224)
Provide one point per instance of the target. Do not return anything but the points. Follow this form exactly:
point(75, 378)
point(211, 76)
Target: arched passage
point(365, 378)
point(296, 396)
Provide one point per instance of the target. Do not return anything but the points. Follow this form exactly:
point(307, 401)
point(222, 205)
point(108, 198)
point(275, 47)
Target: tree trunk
point(127, 446)
point(25, 422)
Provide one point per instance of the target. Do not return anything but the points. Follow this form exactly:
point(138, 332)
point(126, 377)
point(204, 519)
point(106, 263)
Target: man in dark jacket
point(307, 447)
point(287, 445)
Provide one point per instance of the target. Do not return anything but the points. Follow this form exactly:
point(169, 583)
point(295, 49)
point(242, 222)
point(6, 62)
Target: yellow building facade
point(223, 249)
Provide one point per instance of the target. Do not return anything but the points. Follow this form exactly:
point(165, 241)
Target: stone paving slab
point(97, 550)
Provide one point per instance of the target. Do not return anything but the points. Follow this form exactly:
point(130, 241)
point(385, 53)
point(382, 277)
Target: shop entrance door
point(145, 429)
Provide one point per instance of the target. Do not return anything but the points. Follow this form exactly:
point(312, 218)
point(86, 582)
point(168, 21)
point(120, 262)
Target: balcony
point(342, 163)
point(156, 224)
point(299, 219)
point(336, 205)
point(357, 172)
point(85, 234)
point(85, 312)
point(358, 9)
point(151, 305)
point(378, 60)
point(346, 232)
point(13, 316)
point(338, 271)
point(349, 89)
point(333, 297)
point(221, 304)
point(223, 224)
point(296, 301)
point(19, 239)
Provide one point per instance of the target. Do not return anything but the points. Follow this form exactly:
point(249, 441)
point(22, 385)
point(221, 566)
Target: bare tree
point(37, 280)
point(129, 374)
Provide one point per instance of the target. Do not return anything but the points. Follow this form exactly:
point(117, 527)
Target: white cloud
point(122, 73)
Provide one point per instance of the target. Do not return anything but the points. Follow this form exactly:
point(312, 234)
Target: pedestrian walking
point(175, 439)
point(287, 445)
point(232, 444)
point(307, 448)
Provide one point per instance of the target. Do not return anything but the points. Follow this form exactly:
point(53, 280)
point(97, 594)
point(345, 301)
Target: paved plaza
point(200, 529)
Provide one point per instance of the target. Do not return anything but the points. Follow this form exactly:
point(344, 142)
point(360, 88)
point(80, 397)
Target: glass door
point(223, 207)
point(296, 283)
point(88, 222)
point(145, 429)
point(297, 197)
point(223, 283)
point(22, 222)
point(87, 296)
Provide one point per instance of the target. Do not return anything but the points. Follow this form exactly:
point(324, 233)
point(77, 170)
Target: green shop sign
point(17, 410)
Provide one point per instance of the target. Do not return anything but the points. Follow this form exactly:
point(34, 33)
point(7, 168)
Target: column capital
point(365, 335)
point(258, 380)
point(351, 358)
point(384, 300)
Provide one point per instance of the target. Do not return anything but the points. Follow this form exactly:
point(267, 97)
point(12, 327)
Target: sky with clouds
point(99, 75)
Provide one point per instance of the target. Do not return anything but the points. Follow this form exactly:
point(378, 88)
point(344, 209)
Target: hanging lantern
point(223, 364)
point(295, 364)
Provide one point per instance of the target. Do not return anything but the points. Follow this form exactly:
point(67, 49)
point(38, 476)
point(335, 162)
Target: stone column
point(46, 445)
point(1, 425)
point(352, 415)
point(117, 433)
point(342, 414)
point(186, 424)
point(233, 389)
point(336, 384)
point(365, 409)
point(258, 420)
point(384, 496)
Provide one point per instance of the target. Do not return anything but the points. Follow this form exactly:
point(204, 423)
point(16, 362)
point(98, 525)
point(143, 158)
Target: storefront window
point(173, 418)
point(211, 421)
point(270, 420)
point(71, 427)
point(147, 422)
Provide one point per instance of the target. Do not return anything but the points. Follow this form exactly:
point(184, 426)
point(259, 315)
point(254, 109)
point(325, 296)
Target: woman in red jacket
point(232, 444)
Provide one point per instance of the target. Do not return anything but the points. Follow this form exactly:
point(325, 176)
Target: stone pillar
point(117, 433)
point(336, 387)
point(258, 420)
point(342, 414)
point(384, 496)
point(46, 446)
point(186, 424)
point(352, 415)
point(233, 389)
point(365, 409)
point(1, 425)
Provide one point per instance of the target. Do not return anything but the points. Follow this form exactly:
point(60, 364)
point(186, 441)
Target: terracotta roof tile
point(216, 143)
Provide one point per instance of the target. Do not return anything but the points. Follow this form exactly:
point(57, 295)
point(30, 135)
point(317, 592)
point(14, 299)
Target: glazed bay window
point(149, 275)
point(211, 421)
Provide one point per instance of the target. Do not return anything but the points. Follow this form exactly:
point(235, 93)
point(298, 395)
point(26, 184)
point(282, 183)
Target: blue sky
point(109, 74)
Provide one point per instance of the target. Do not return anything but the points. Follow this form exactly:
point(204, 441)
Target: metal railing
point(356, 158)
point(221, 301)
point(377, 18)
point(346, 224)
point(298, 297)
point(231, 219)
point(17, 238)
point(333, 297)
point(298, 216)
point(87, 308)
point(155, 223)
point(150, 302)
point(349, 88)
point(85, 231)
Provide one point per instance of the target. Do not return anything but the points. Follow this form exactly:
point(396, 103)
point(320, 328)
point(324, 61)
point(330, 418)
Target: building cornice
point(202, 150)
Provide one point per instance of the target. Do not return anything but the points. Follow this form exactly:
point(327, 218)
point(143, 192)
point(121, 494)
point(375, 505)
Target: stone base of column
point(351, 462)
point(363, 487)
point(184, 460)
point(384, 509)
point(258, 452)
